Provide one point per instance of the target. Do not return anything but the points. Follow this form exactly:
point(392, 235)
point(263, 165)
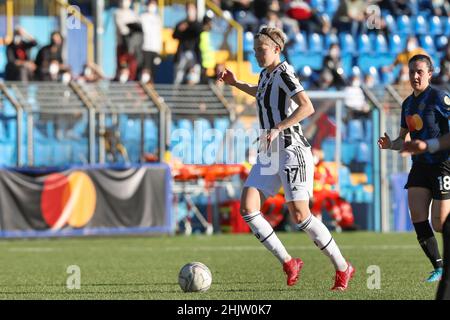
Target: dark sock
point(428, 243)
point(443, 292)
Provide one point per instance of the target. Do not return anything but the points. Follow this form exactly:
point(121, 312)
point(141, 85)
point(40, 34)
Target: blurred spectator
point(152, 45)
point(128, 39)
point(412, 48)
point(307, 17)
point(444, 74)
point(356, 100)
point(332, 72)
point(290, 25)
point(243, 14)
point(91, 73)
point(272, 20)
point(206, 49)
point(350, 16)
point(49, 62)
point(188, 57)
point(19, 65)
point(435, 7)
point(261, 8)
point(396, 7)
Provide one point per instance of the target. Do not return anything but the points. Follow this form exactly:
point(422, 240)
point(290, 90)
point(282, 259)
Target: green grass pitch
point(147, 267)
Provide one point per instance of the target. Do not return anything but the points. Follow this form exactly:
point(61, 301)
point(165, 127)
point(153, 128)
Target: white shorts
point(292, 168)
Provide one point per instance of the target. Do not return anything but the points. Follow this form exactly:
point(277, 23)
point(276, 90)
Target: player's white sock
point(321, 236)
point(262, 229)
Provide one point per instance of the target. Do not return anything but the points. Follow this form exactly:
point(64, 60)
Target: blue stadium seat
point(363, 152)
point(344, 177)
point(328, 147)
point(381, 45)
point(446, 24)
point(248, 41)
point(347, 63)
point(391, 23)
point(355, 130)
point(316, 43)
point(374, 72)
point(404, 24)
point(387, 77)
point(319, 5)
point(331, 7)
point(347, 43)
point(300, 44)
point(427, 43)
point(441, 43)
point(364, 45)
point(330, 38)
point(420, 25)
point(395, 44)
point(435, 26)
point(313, 60)
point(348, 152)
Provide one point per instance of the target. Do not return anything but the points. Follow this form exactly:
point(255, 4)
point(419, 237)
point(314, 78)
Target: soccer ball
point(194, 277)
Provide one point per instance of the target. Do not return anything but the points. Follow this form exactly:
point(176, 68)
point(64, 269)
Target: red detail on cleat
point(292, 269)
point(343, 277)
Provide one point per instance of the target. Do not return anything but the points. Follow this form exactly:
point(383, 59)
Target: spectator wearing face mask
point(152, 44)
point(355, 99)
point(332, 67)
point(129, 40)
point(412, 48)
point(49, 61)
point(19, 65)
point(188, 57)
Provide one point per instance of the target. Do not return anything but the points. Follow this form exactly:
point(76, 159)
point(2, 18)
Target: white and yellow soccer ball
point(194, 277)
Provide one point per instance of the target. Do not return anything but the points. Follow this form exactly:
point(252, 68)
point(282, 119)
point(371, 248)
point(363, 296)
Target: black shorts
point(434, 177)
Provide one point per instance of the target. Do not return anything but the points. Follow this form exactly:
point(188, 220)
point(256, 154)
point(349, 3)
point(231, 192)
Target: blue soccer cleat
point(435, 275)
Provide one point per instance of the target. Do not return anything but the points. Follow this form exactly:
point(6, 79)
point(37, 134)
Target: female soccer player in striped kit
point(285, 158)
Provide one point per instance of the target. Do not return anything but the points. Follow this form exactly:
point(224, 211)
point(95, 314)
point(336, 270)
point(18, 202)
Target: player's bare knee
point(246, 210)
point(300, 215)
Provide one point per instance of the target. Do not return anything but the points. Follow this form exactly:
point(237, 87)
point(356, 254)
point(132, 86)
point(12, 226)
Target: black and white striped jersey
point(274, 103)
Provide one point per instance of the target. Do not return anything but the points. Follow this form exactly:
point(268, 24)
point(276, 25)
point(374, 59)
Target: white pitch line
point(31, 249)
point(251, 248)
point(211, 248)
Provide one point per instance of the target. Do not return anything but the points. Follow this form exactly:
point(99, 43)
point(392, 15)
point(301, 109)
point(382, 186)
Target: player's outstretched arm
point(397, 144)
point(432, 145)
point(229, 78)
